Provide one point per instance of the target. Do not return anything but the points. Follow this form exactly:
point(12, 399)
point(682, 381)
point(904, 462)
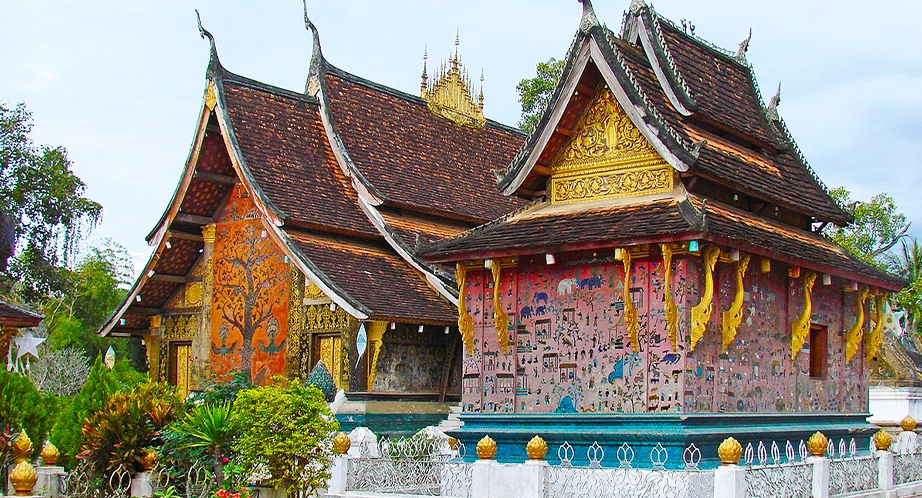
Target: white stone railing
point(787, 471)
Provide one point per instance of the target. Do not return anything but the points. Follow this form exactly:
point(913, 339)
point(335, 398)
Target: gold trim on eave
point(701, 313)
point(854, 334)
point(801, 327)
point(465, 322)
point(671, 311)
point(731, 319)
point(876, 337)
point(500, 319)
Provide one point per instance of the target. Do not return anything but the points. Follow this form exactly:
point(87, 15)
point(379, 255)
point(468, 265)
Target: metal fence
point(907, 463)
point(850, 472)
point(769, 474)
point(418, 465)
point(565, 480)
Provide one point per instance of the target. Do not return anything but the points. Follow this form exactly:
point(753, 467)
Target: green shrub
point(210, 427)
point(128, 425)
point(285, 429)
point(23, 407)
point(92, 397)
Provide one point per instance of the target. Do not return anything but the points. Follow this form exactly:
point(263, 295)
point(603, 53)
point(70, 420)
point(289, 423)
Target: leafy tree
point(46, 203)
point(285, 429)
point(877, 228)
point(535, 93)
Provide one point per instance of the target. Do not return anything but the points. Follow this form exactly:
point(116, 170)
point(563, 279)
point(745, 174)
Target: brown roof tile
point(417, 159)
point(285, 147)
point(377, 277)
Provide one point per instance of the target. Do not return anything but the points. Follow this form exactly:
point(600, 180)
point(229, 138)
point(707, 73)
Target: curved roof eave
point(658, 55)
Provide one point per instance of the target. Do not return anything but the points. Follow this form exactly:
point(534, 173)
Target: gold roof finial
point(450, 94)
point(422, 86)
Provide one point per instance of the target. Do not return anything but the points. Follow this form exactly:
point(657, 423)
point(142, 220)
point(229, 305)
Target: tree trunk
point(218, 467)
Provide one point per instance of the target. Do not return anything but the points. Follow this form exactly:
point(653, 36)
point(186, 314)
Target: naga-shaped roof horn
point(589, 19)
point(214, 64)
point(744, 47)
point(313, 78)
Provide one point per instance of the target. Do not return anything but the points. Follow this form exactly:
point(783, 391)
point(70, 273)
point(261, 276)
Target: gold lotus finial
point(536, 448)
point(22, 447)
point(882, 440)
point(453, 443)
point(50, 454)
point(23, 478)
point(817, 444)
point(486, 448)
point(908, 424)
point(341, 443)
point(730, 451)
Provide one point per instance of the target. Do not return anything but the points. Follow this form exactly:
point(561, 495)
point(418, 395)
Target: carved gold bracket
point(375, 331)
point(801, 327)
point(853, 336)
point(672, 311)
point(731, 319)
point(211, 98)
point(701, 313)
point(630, 311)
point(500, 319)
point(465, 322)
point(875, 338)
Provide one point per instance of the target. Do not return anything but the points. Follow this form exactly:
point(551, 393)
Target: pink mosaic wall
point(569, 351)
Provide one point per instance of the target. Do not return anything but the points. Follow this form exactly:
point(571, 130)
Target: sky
point(120, 83)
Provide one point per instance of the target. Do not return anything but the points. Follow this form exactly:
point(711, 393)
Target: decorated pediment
point(607, 157)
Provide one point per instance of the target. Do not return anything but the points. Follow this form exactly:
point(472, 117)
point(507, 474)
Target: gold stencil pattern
point(607, 157)
point(296, 361)
point(322, 318)
point(194, 294)
point(180, 327)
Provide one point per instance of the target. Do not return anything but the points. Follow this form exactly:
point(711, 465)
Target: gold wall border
point(801, 327)
point(500, 319)
point(701, 313)
point(854, 334)
point(630, 311)
point(875, 338)
point(465, 322)
point(671, 310)
point(733, 317)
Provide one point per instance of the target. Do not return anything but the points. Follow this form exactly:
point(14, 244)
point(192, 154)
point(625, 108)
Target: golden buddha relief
point(607, 157)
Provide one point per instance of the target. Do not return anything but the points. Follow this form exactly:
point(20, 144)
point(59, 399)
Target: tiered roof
point(350, 178)
point(699, 107)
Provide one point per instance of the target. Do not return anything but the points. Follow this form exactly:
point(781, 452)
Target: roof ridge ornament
point(744, 47)
point(313, 78)
point(771, 112)
point(637, 6)
point(449, 92)
point(589, 19)
point(214, 63)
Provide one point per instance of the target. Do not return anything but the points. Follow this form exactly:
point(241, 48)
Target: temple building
point(293, 237)
point(667, 281)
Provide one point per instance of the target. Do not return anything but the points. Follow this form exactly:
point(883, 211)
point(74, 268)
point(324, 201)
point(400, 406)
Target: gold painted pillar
point(152, 344)
point(375, 331)
point(201, 343)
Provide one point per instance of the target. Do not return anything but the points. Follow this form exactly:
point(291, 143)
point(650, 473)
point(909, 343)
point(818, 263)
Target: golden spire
point(450, 93)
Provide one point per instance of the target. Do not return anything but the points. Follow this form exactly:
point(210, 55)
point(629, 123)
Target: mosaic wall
point(249, 322)
point(569, 351)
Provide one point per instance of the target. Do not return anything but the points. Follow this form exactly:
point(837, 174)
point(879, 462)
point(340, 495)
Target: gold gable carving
point(607, 157)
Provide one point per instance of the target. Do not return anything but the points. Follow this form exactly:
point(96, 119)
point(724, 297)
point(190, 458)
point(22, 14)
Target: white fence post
point(820, 476)
point(480, 478)
point(533, 478)
point(339, 474)
point(730, 481)
point(884, 470)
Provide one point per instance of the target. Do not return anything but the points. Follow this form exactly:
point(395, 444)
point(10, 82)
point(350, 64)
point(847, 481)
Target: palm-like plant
point(907, 263)
point(210, 426)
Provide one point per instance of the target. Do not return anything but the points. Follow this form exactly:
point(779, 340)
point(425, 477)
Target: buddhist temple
point(666, 281)
point(293, 237)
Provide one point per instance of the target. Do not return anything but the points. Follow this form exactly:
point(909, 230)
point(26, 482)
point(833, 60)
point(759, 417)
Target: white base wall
point(889, 405)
